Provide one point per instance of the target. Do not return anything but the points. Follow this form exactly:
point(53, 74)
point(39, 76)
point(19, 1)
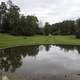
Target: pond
point(43, 62)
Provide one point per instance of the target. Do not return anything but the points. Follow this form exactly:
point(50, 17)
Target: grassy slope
point(8, 40)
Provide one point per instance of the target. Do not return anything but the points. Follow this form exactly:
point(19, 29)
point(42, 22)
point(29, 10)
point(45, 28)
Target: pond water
point(43, 62)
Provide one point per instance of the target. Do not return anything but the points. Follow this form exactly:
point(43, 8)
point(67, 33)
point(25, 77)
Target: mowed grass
point(10, 41)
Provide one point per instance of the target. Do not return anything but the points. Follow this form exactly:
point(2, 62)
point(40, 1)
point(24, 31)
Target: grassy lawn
point(8, 40)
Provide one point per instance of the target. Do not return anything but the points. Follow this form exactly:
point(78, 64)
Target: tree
point(3, 15)
point(64, 28)
point(13, 17)
point(47, 30)
point(68, 27)
point(56, 29)
point(13, 23)
point(31, 25)
point(78, 28)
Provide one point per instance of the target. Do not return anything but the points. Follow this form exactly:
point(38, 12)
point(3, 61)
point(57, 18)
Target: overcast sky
point(50, 10)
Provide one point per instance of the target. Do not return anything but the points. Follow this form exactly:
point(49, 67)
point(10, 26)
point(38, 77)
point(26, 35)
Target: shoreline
point(37, 45)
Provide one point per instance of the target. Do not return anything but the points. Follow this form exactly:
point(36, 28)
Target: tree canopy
point(12, 22)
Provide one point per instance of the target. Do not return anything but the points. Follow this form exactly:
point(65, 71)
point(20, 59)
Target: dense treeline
point(63, 28)
point(68, 27)
point(12, 22)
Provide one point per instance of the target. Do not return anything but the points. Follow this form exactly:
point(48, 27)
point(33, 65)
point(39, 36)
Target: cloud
point(50, 10)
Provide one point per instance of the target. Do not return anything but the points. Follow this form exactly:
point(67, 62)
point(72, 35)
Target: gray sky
point(50, 10)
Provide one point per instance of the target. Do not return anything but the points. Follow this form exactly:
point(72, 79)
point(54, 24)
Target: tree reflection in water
point(70, 47)
point(11, 58)
point(65, 47)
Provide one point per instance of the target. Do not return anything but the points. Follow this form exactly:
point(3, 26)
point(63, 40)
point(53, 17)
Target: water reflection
point(40, 60)
point(11, 58)
point(67, 48)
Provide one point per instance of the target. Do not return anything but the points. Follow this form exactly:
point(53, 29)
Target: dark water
point(44, 62)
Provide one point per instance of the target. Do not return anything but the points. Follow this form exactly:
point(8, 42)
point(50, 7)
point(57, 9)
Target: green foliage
point(3, 9)
point(64, 28)
point(47, 29)
point(12, 22)
point(32, 24)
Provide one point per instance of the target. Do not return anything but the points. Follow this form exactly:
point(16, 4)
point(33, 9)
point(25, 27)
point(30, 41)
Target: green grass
point(9, 41)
